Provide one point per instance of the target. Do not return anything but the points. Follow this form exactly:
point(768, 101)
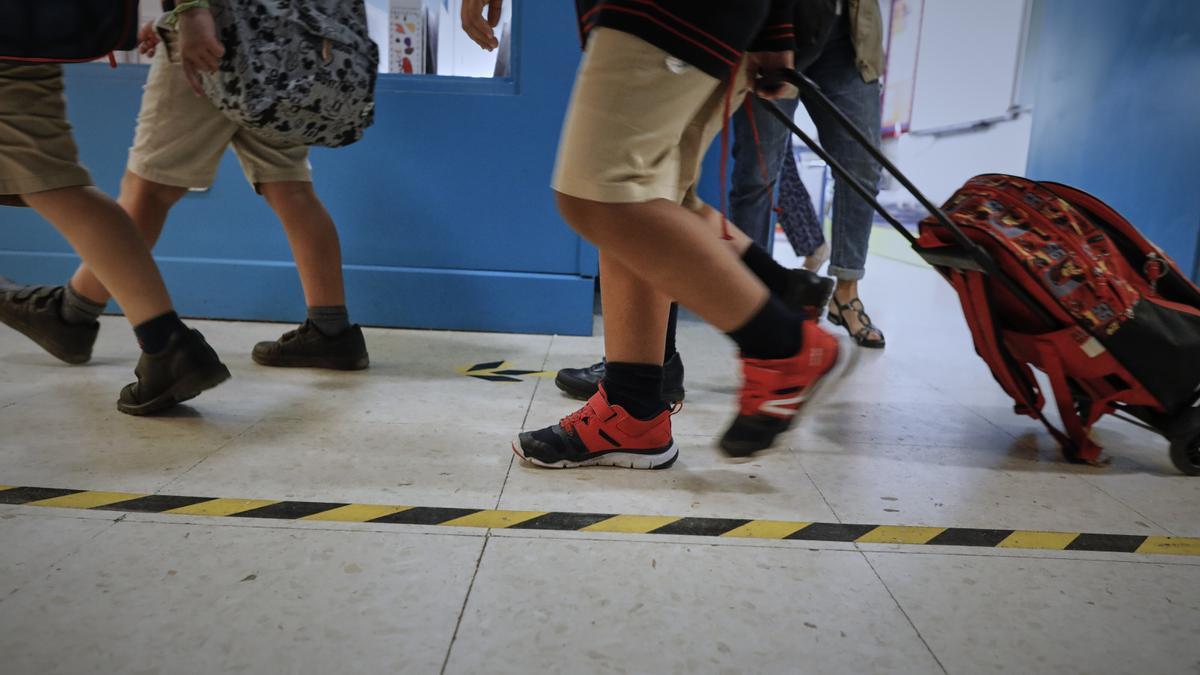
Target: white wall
point(966, 71)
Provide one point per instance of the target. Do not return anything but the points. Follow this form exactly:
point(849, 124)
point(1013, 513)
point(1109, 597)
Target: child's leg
point(147, 204)
point(666, 244)
point(327, 339)
point(635, 135)
point(313, 238)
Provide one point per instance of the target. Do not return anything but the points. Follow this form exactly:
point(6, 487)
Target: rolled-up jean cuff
point(843, 274)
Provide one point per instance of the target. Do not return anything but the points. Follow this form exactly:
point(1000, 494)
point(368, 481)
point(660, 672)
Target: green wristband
point(182, 7)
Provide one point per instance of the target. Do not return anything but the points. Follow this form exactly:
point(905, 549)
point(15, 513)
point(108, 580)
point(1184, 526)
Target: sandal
point(863, 335)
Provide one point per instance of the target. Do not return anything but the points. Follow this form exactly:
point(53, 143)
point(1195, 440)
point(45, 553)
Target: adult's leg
point(147, 204)
point(837, 75)
point(756, 164)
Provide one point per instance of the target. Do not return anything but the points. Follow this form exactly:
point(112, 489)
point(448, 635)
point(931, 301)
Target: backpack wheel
point(1185, 454)
point(1185, 442)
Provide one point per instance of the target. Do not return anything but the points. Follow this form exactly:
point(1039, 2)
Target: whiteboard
point(968, 61)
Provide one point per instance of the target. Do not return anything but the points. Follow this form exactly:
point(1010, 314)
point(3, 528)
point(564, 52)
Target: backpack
point(1087, 299)
point(298, 72)
point(65, 31)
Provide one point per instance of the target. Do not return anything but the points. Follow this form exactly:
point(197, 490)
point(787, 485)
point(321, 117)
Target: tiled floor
point(920, 435)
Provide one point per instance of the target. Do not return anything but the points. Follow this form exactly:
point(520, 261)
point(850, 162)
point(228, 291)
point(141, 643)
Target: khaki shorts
point(37, 152)
point(639, 123)
point(180, 136)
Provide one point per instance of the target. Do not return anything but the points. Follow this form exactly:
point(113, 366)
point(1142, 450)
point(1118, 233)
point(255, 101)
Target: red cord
point(725, 158)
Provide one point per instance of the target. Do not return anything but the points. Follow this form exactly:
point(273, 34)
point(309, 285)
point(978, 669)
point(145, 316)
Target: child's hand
point(148, 39)
point(476, 27)
point(765, 64)
point(199, 48)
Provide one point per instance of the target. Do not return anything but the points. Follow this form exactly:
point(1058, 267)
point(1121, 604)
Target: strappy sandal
point(863, 335)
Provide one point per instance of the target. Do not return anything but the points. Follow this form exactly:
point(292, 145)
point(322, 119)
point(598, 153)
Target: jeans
point(836, 73)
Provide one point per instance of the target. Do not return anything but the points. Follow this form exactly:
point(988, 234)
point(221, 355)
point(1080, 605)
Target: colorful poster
point(900, 72)
point(406, 53)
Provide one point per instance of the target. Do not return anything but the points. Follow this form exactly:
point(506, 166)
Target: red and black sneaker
point(599, 434)
point(774, 391)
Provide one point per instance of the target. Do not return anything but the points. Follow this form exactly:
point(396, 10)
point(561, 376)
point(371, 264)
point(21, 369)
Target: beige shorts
point(180, 136)
point(37, 152)
point(639, 123)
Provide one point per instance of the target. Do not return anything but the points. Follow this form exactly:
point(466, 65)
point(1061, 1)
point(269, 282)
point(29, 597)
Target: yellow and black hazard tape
point(597, 522)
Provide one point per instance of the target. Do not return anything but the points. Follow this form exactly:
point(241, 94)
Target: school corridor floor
point(376, 522)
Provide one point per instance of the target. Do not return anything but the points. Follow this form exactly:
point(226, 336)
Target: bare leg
point(313, 238)
point(104, 236)
point(147, 203)
point(668, 246)
point(635, 315)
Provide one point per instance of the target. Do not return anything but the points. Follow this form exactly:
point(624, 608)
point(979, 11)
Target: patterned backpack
point(1108, 316)
point(300, 72)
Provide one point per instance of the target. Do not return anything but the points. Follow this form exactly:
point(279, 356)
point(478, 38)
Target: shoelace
point(580, 416)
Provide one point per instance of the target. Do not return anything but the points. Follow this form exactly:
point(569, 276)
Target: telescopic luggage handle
point(978, 258)
point(967, 256)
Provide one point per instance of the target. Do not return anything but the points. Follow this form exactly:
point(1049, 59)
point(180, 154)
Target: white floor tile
point(992, 615)
point(913, 485)
point(29, 547)
point(193, 599)
point(363, 462)
point(47, 442)
point(610, 607)
point(701, 483)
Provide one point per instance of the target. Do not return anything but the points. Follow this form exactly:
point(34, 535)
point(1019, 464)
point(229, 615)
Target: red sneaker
point(599, 434)
point(775, 390)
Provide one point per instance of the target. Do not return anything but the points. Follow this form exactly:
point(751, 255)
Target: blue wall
point(444, 208)
point(1116, 97)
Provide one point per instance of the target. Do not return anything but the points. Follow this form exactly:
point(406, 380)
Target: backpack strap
point(1014, 377)
point(1076, 442)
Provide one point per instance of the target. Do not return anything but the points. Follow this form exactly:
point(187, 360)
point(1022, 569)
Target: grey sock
point(331, 321)
point(77, 309)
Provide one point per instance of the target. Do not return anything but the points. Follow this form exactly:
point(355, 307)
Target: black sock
point(672, 320)
point(773, 333)
point(154, 334)
point(636, 387)
point(332, 320)
point(774, 275)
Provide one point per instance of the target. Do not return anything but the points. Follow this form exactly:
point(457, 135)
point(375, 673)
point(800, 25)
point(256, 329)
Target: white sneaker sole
point(624, 460)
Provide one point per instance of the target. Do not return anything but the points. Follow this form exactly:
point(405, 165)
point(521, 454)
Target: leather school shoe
point(808, 292)
point(36, 313)
point(183, 369)
point(582, 383)
point(308, 347)
point(775, 391)
point(599, 434)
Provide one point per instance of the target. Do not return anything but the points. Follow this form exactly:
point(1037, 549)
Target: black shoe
point(808, 292)
point(183, 369)
point(308, 347)
point(583, 383)
point(36, 312)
